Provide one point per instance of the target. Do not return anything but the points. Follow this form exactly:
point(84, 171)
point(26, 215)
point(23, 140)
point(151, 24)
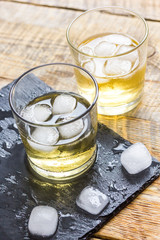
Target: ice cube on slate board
point(92, 200)
point(43, 221)
point(136, 158)
point(64, 104)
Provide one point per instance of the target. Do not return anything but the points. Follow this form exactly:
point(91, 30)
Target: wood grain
point(149, 9)
point(33, 34)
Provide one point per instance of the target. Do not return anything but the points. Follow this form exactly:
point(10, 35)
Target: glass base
point(62, 177)
point(111, 111)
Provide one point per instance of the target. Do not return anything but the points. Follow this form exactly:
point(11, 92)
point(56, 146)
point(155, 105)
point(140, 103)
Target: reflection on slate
point(20, 191)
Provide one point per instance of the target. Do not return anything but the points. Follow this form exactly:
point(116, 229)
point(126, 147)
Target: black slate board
point(20, 191)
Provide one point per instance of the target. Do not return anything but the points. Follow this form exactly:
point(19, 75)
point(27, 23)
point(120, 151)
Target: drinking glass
point(56, 123)
point(111, 43)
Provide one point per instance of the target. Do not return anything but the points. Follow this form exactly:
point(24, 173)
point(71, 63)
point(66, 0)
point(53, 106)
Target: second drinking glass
point(111, 43)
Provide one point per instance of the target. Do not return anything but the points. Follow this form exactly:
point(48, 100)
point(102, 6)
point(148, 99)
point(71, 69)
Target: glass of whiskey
point(111, 43)
point(57, 125)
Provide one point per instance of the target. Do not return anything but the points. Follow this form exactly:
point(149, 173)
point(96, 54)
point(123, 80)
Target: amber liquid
point(67, 158)
point(120, 78)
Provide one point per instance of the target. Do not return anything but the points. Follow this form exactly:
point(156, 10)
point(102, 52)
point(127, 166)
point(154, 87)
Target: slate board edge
point(106, 219)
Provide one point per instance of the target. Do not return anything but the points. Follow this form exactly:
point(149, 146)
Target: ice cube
point(99, 73)
point(136, 158)
point(63, 104)
point(41, 147)
point(28, 114)
point(117, 67)
point(43, 221)
point(104, 49)
point(89, 66)
point(87, 50)
point(43, 138)
point(118, 39)
point(45, 135)
point(133, 56)
point(42, 112)
point(72, 129)
point(92, 200)
point(135, 64)
point(123, 49)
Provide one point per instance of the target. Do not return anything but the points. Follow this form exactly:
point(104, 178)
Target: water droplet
point(15, 126)
point(21, 213)
point(11, 179)
point(114, 188)
point(24, 195)
point(73, 227)
point(111, 165)
point(34, 197)
point(65, 215)
point(120, 146)
point(124, 194)
point(102, 172)
point(3, 188)
point(67, 221)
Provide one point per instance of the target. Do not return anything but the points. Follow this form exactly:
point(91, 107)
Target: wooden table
point(32, 32)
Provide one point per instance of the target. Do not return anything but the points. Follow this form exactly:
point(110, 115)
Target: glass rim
point(103, 8)
point(60, 123)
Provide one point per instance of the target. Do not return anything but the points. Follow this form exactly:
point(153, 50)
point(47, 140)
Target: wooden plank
point(136, 130)
point(32, 35)
point(149, 9)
